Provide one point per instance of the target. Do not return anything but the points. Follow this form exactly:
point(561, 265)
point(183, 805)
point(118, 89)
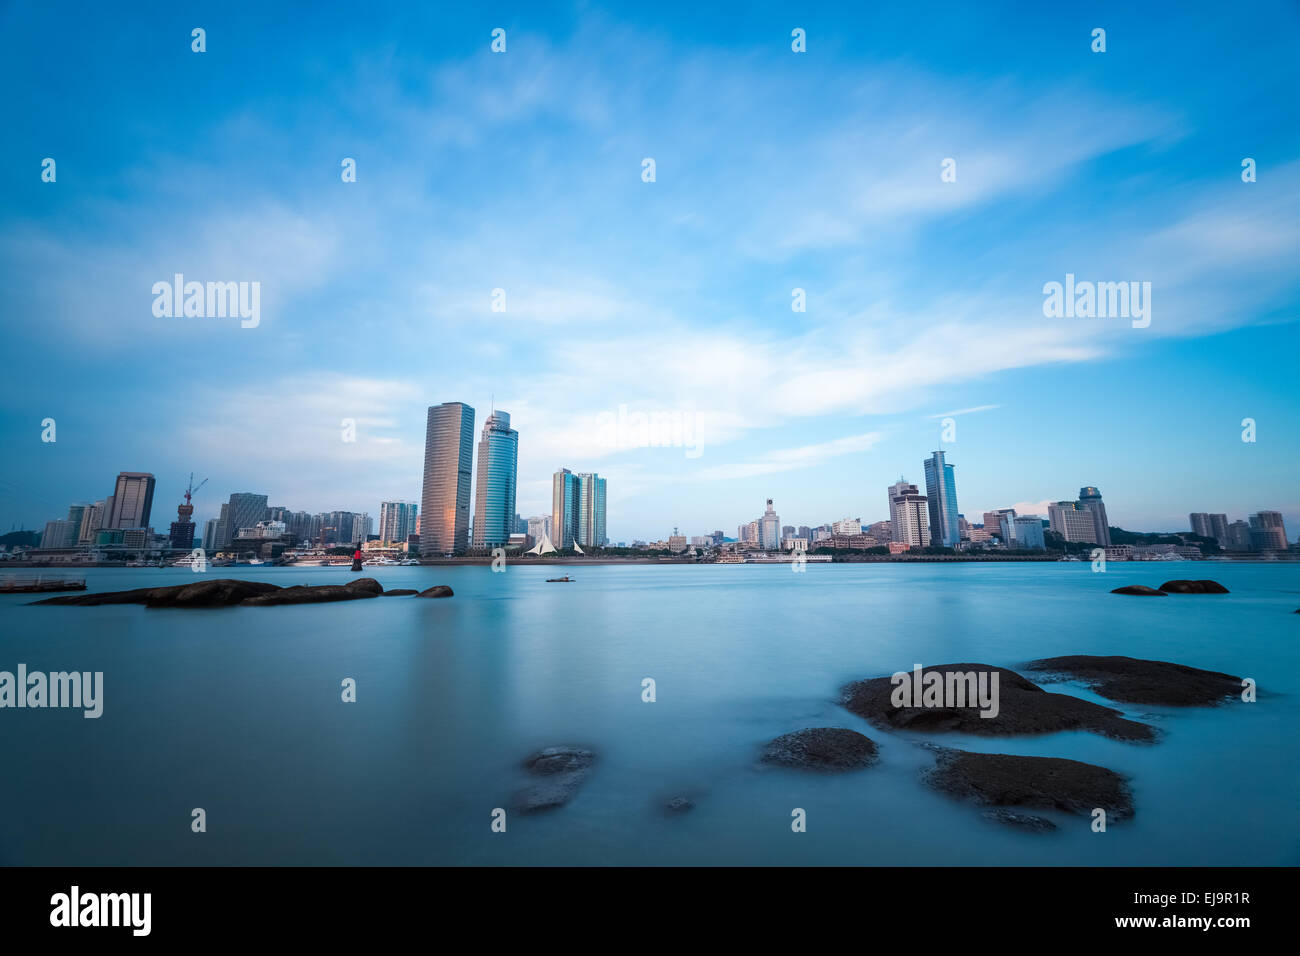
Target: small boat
point(564, 580)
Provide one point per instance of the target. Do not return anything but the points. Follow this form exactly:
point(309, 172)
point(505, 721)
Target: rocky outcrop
point(437, 591)
point(1139, 589)
point(399, 592)
point(821, 748)
point(1022, 708)
point(307, 594)
point(1193, 587)
point(1051, 783)
point(1135, 681)
point(226, 592)
point(563, 771)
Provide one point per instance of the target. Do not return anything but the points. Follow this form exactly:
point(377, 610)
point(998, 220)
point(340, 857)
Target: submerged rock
point(679, 804)
point(1022, 708)
point(563, 769)
point(1007, 780)
point(1139, 589)
point(1024, 821)
point(821, 748)
point(1136, 681)
point(1193, 587)
point(437, 591)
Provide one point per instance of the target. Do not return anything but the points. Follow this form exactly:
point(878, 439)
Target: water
point(238, 711)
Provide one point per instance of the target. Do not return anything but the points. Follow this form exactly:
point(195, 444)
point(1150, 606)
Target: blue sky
point(775, 170)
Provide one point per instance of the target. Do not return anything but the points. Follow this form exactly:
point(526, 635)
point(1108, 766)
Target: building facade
point(941, 490)
point(494, 498)
point(1090, 500)
point(908, 515)
point(448, 465)
point(132, 500)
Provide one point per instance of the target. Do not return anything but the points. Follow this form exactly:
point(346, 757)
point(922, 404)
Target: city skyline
point(782, 181)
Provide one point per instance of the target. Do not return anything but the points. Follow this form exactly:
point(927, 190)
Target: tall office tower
point(908, 515)
point(210, 534)
point(591, 511)
point(539, 527)
point(1267, 532)
point(941, 489)
point(1210, 526)
point(494, 496)
point(396, 521)
point(92, 519)
point(1028, 532)
point(132, 500)
point(243, 510)
point(448, 466)
point(564, 508)
point(769, 529)
point(1072, 521)
point(1090, 499)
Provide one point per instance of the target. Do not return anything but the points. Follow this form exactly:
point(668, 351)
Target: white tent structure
point(542, 547)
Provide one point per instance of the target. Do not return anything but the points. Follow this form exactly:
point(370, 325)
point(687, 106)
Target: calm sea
point(238, 711)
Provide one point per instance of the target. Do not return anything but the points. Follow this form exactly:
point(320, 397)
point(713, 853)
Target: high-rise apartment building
point(564, 508)
point(941, 490)
point(132, 500)
point(1210, 526)
point(1090, 500)
point(539, 528)
point(396, 521)
point(908, 515)
point(448, 466)
point(92, 519)
point(1267, 531)
point(591, 511)
point(494, 498)
point(1072, 521)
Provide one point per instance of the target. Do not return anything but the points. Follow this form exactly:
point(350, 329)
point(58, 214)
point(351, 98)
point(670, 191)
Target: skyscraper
point(769, 529)
point(244, 510)
point(564, 508)
point(132, 500)
point(1267, 532)
point(448, 465)
point(1090, 499)
point(591, 511)
point(91, 521)
point(494, 496)
point(941, 489)
point(396, 521)
point(908, 514)
point(1211, 526)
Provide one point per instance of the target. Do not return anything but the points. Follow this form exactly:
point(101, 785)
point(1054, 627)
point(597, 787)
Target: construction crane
point(184, 511)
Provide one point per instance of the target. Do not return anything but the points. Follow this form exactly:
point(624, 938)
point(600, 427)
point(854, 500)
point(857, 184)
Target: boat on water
point(564, 580)
point(379, 562)
point(409, 563)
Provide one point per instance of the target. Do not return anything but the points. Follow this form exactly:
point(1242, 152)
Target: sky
point(774, 171)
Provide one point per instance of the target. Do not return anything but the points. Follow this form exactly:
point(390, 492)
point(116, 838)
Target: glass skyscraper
point(448, 465)
point(1090, 499)
point(941, 492)
point(591, 511)
point(132, 500)
point(494, 496)
point(564, 508)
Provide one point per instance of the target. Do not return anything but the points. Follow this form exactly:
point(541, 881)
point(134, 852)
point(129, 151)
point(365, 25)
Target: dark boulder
point(399, 592)
point(437, 591)
point(206, 592)
point(1139, 589)
point(1193, 587)
point(1135, 681)
point(563, 771)
point(1052, 783)
point(1022, 708)
point(679, 805)
point(821, 748)
point(318, 594)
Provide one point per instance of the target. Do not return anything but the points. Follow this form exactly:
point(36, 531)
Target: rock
point(1139, 589)
point(207, 592)
point(1193, 587)
point(1025, 821)
point(437, 591)
point(1022, 708)
point(1006, 780)
point(821, 748)
point(564, 770)
point(1136, 681)
point(309, 594)
point(399, 592)
point(679, 804)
